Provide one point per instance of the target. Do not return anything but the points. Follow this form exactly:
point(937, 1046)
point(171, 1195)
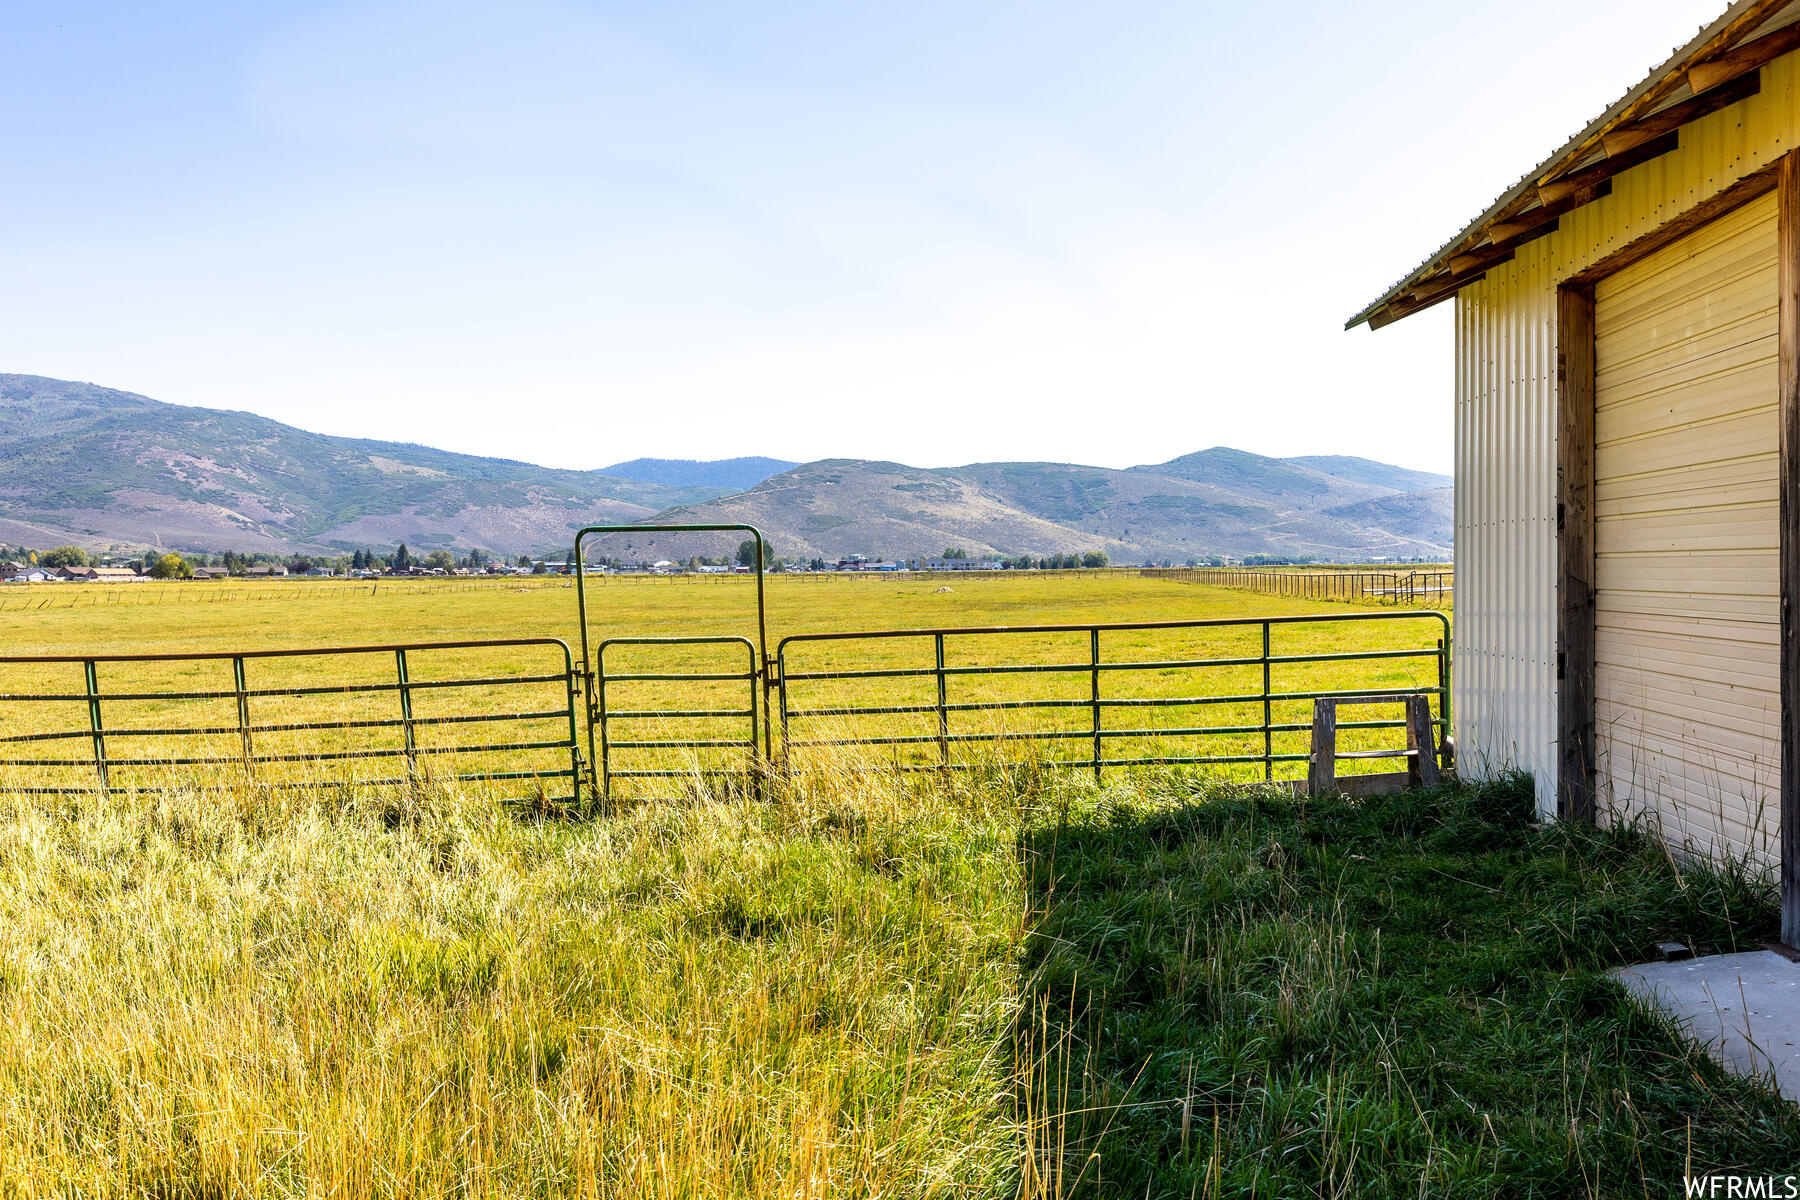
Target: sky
point(932, 231)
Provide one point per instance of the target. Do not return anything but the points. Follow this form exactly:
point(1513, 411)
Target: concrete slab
point(1744, 1008)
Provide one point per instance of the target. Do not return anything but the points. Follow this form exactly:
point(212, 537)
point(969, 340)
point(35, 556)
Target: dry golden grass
point(249, 993)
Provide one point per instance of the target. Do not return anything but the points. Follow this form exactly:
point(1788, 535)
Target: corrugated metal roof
point(1682, 58)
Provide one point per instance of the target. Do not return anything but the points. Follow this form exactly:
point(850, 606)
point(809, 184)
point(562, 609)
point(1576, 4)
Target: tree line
point(170, 564)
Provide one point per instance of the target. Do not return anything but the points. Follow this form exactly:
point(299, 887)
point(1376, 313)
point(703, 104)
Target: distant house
point(98, 574)
point(274, 571)
point(212, 572)
point(964, 564)
point(18, 573)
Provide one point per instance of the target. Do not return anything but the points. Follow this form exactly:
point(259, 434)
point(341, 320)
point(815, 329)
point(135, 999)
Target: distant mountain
point(1217, 501)
point(100, 467)
point(1376, 474)
point(103, 468)
point(732, 474)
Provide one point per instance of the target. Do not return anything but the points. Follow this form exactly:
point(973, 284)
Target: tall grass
point(238, 992)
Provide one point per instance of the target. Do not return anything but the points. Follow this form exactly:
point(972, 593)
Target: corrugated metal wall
point(1505, 677)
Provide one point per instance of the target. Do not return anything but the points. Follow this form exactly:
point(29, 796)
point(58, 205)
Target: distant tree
point(538, 568)
point(478, 559)
point(1094, 558)
point(746, 553)
point(777, 565)
point(358, 561)
point(524, 560)
point(171, 566)
point(402, 559)
point(64, 556)
point(955, 552)
point(299, 564)
point(440, 560)
point(1193, 562)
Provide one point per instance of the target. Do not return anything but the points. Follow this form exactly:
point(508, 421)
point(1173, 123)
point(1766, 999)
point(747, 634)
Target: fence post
point(1268, 712)
point(94, 725)
point(1321, 773)
point(1422, 766)
point(1094, 678)
point(406, 717)
point(243, 709)
point(943, 710)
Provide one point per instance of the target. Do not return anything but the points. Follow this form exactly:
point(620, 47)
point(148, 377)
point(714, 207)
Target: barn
point(1628, 456)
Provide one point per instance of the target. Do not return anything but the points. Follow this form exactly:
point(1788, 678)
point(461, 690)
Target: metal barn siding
point(1687, 682)
point(1505, 678)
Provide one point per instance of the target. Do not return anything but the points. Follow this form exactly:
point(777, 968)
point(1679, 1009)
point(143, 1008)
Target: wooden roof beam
point(1705, 76)
point(1514, 228)
point(1629, 137)
point(1501, 249)
point(1406, 308)
point(1561, 189)
point(1431, 290)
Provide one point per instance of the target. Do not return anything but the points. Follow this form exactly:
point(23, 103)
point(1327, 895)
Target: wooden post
point(1575, 552)
point(1422, 767)
point(1321, 770)
point(1787, 187)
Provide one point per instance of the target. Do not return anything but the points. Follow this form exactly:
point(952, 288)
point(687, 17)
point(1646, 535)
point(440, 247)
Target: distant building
point(963, 564)
point(98, 574)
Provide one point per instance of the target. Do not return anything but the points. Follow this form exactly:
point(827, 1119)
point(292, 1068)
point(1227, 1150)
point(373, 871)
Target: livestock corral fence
point(630, 717)
point(1350, 584)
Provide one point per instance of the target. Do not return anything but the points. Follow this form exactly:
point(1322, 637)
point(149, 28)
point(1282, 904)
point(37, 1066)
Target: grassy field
point(994, 984)
point(231, 616)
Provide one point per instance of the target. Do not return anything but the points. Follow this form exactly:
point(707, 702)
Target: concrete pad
point(1744, 1008)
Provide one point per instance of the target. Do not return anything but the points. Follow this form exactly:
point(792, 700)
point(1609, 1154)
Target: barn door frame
point(1575, 544)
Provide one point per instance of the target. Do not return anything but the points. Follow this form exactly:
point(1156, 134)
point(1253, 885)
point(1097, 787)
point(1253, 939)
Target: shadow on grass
point(1231, 995)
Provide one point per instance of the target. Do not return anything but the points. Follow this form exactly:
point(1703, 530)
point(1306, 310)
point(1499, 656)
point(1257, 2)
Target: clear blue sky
point(929, 231)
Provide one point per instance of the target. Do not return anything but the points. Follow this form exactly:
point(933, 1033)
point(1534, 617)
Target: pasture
point(1032, 690)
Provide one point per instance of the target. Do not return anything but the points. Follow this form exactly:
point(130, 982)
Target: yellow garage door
point(1687, 639)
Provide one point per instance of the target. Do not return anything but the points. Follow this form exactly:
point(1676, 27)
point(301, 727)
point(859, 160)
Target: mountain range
point(105, 468)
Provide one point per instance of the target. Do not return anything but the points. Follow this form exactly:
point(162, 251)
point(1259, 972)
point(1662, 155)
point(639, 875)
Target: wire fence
point(1347, 584)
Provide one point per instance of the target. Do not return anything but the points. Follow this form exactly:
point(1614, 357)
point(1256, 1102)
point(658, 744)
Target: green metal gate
point(1265, 693)
point(748, 757)
point(264, 717)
